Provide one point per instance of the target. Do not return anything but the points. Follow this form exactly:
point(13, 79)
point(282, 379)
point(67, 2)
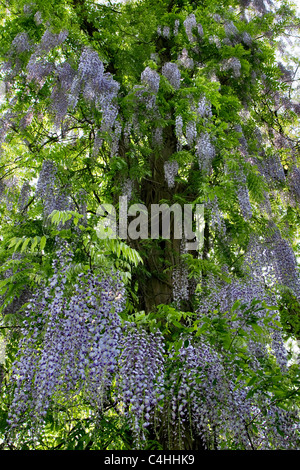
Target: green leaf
point(251, 381)
point(43, 242)
point(34, 243)
point(258, 329)
point(236, 305)
point(24, 246)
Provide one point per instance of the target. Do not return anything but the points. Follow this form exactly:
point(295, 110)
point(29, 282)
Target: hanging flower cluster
point(176, 27)
point(97, 87)
point(70, 343)
point(140, 377)
point(230, 29)
point(180, 283)
point(271, 168)
point(284, 260)
point(157, 137)
point(185, 60)
point(247, 290)
point(204, 108)
point(205, 152)
point(232, 64)
point(170, 170)
point(191, 133)
point(151, 79)
point(46, 186)
point(171, 71)
point(21, 43)
point(24, 196)
point(190, 24)
point(243, 195)
point(217, 222)
point(127, 187)
point(203, 390)
point(38, 67)
point(89, 81)
point(179, 130)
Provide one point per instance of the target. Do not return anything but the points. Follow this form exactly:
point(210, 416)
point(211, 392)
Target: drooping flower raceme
point(232, 64)
point(172, 73)
point(21, 43)
point(171, 170)
point(190, 23)
point(151, 78)
point(97, 87)
point(205, 152)
point(140, 378)
point(69, 345)
point(24, 195)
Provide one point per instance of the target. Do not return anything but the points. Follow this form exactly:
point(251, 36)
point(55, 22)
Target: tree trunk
point(163, 254)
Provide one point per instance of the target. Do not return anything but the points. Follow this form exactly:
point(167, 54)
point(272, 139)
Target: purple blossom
point(24, 196)
point(21, 43)
point(78, 350)
point(205, 152)
point(176, 27)
point(185, 60)
point(190, 23)
point(151, 79)
point(232, 64)
point(172, 73)
point(170, 171)
point(140, 377)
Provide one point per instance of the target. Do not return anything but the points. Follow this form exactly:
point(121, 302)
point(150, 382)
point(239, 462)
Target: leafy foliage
point(120, 343)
